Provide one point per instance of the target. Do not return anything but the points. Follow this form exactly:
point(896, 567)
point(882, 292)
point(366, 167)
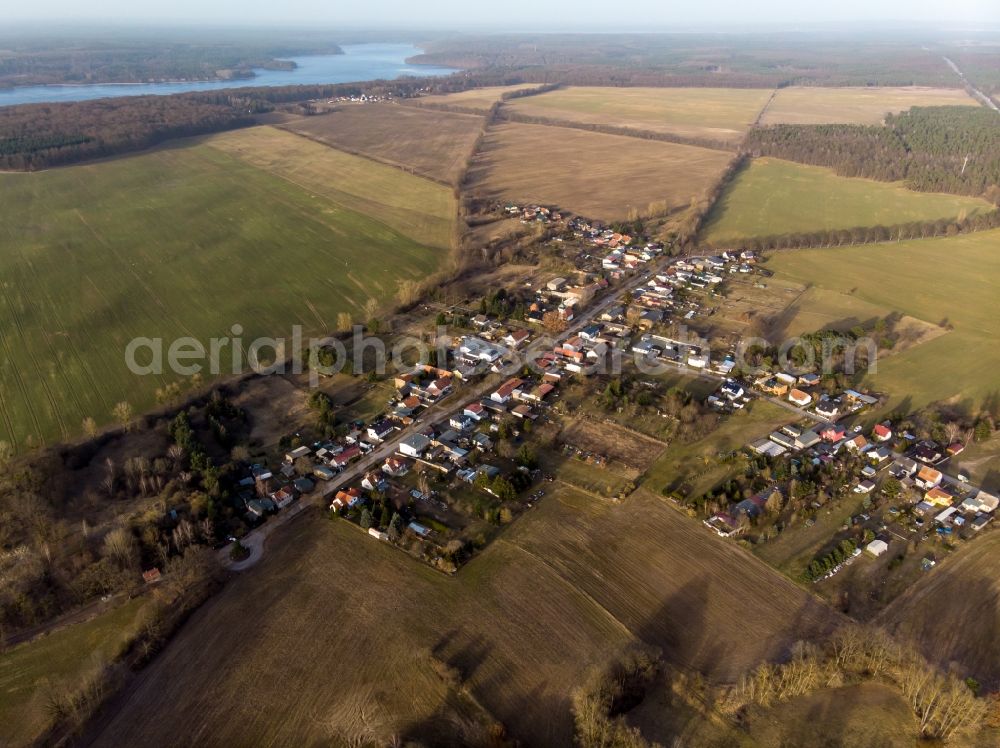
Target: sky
point(536, 15)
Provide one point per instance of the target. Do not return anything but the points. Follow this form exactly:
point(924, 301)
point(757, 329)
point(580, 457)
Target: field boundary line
point(339, 202)
point(378, 160)
point(627, 132)
point(695, 525)
point(761, 113)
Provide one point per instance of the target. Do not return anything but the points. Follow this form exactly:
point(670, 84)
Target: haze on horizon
point(523, 15)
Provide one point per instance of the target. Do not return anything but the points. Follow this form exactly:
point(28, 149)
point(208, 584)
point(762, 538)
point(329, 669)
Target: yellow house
point(938, 497)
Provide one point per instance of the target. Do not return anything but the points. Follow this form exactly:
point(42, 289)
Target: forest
point(660, 59)
point(931, 149)
point(138, 56)
point(37, 136)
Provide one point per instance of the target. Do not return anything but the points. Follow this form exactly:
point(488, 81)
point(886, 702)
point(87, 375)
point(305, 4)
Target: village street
point(255, 539)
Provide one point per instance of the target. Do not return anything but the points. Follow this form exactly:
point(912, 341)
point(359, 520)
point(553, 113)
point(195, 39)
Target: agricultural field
point(718, 114)
point(953, 613)
point(480, 99)
point(772, 197)
point(190, 240)
point(604, 177)
point(816, 105)
point(428, 143)
point(867, 715)
point(31, 672)
point(416, 208)
point(349, 628)
point(944, 283)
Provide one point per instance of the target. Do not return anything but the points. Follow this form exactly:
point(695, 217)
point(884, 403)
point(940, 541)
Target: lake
point(360, 62)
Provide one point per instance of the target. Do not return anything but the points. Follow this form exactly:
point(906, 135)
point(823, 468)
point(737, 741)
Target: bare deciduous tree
point(110, 477)
point(119, 545)
point(123, 414)
point(89, 427)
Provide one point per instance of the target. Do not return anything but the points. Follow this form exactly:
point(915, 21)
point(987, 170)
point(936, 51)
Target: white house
point(928, 477)
point(981, 502)
point(800, 398)
point(414, 446)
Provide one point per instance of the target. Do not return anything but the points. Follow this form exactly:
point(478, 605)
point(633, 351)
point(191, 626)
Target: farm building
point(297, 453)
point(877, 547)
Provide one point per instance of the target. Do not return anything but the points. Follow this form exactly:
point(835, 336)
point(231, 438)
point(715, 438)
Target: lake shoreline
point(352, 64)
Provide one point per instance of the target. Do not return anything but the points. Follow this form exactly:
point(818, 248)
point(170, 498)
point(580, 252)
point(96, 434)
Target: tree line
point(38, 136)
point(654, 59)
point(868, 234)
point(952, 149)
point(631, 132)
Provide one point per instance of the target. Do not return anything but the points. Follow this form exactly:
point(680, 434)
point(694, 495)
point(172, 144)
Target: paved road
point(83, 613)
point(466, 393)
point(986, 100)
point(254, 540)
point(968, 488)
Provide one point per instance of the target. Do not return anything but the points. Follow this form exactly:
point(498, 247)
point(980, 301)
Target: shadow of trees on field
point(466, 652)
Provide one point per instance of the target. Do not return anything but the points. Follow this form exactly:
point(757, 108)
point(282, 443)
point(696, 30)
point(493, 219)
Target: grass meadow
point(772, 196)
point(190, 240)
point(599, 176)
point(30, 672)
point(480, 99)
point(721, 114)
point(695, 468)
point(818, 105)
point(946, 282)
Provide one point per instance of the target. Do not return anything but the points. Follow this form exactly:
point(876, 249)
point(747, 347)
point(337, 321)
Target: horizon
point(559, 16)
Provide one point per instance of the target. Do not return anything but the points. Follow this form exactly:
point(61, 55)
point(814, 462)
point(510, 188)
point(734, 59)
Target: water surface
point(360, 62)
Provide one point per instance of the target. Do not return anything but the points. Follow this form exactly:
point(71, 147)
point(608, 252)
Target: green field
point(30, 672)
point(190, 240)
point(696, 465)
point(480, 99)
point(773, 197)
point(949, 281)
point(722, 114)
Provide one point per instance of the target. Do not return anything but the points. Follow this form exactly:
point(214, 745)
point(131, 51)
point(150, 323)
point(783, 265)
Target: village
point(452, 458)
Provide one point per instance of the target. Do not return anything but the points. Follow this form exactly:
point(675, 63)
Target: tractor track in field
point(56, 410)
point(53, 309)
point(17, 374)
